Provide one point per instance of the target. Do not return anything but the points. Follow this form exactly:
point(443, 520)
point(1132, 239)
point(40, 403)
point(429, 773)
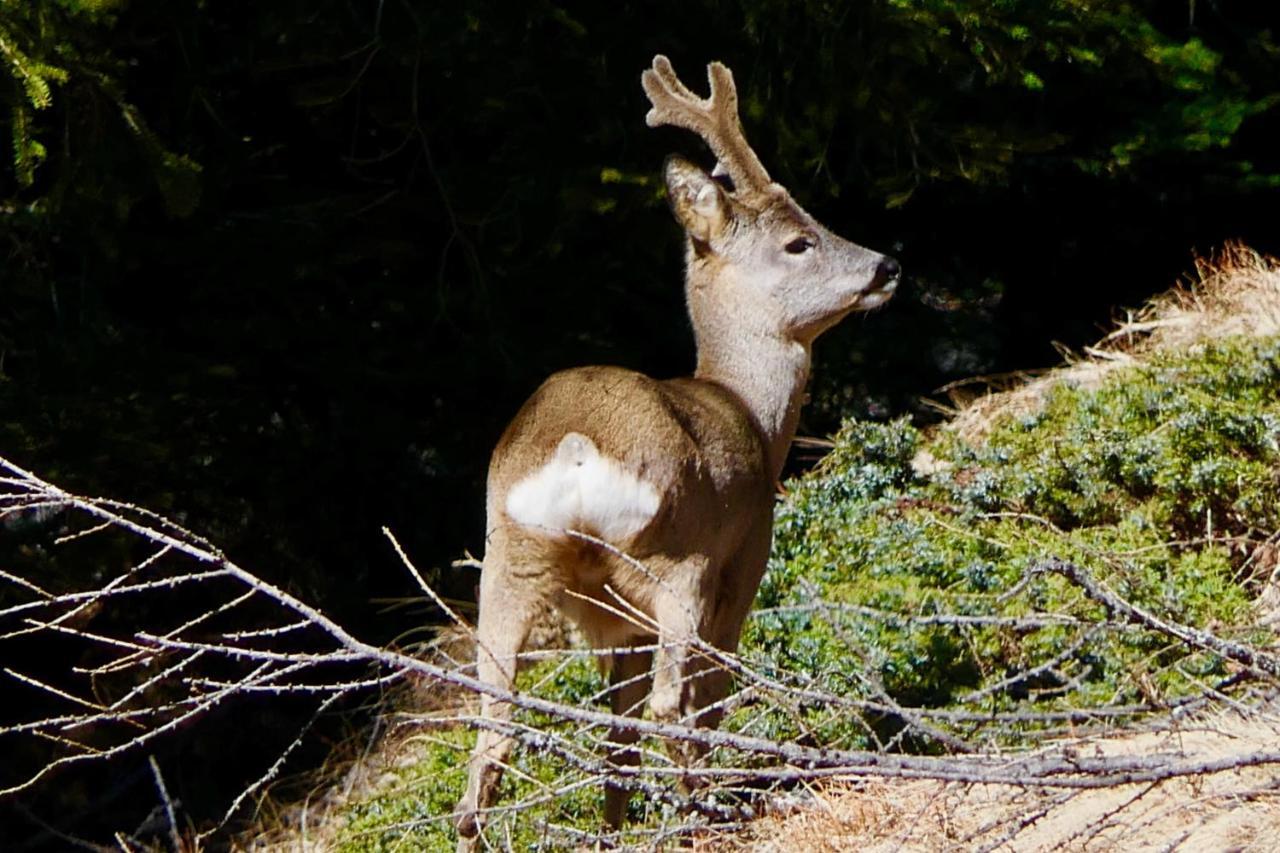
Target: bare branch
point(1261, 662)
point(174, 839)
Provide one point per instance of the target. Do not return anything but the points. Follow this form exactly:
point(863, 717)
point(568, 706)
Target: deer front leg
point(629, 680)
point(500, 635)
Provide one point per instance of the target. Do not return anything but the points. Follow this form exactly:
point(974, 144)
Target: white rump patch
point(579, 489)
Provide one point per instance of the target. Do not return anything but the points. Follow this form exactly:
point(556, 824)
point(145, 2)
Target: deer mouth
point(878, 293)
point(883, 284)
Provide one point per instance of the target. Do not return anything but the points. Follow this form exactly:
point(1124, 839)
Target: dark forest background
point(283, 270)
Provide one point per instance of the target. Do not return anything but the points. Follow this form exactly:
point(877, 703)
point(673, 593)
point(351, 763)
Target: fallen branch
point(1260, 662)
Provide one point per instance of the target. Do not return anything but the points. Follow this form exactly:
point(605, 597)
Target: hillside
point(1080, 565)
point(1224, 325)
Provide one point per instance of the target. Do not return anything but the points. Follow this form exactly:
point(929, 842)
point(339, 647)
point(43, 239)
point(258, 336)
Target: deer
point(641, 508)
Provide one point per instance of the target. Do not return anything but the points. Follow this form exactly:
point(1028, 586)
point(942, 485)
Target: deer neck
point(764, 368)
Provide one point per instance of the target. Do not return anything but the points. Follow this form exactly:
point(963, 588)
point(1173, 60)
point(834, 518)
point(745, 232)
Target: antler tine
point(662, 66)
point(714, 118)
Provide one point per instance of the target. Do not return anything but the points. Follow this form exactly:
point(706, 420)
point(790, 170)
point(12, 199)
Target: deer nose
point(888, 270)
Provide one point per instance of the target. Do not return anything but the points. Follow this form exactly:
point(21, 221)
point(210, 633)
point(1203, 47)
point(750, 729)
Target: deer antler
point(715, 119)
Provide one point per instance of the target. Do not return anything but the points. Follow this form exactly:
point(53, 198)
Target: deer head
point(752, 251)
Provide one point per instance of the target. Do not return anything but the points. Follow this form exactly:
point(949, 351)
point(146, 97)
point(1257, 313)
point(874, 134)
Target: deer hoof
point(467, 822)
point(664, 706)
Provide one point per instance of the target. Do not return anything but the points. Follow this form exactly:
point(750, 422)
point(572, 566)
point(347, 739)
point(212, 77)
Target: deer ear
point(697, 201)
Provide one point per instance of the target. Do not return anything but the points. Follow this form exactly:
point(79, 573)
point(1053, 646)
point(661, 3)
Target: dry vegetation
point(1236, 292)
point(1237, 809)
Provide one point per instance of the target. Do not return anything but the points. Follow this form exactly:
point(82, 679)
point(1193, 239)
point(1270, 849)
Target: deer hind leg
point(705, 683)
point(709, 684)
point(629, 680)
point(708, 679)
point(678, 617)
point(507, 611)
point(678, 669)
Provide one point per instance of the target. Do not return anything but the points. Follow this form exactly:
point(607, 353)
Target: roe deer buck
point(677, 474)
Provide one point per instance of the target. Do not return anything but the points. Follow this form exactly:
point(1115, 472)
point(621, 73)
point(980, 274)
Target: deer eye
point(799, 246)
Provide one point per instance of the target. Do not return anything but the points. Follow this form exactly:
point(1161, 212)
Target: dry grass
point(1236, 292)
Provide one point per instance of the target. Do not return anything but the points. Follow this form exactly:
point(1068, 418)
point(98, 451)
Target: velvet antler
point(715, 119)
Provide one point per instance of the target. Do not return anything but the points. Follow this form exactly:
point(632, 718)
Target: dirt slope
point(1237, 810)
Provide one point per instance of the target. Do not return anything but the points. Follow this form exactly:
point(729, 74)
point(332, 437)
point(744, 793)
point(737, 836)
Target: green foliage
point(966, 90)
point(413, 812)
point(1188, 444)
point(59, 43)
point(1160, 482)
point(34, 89)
